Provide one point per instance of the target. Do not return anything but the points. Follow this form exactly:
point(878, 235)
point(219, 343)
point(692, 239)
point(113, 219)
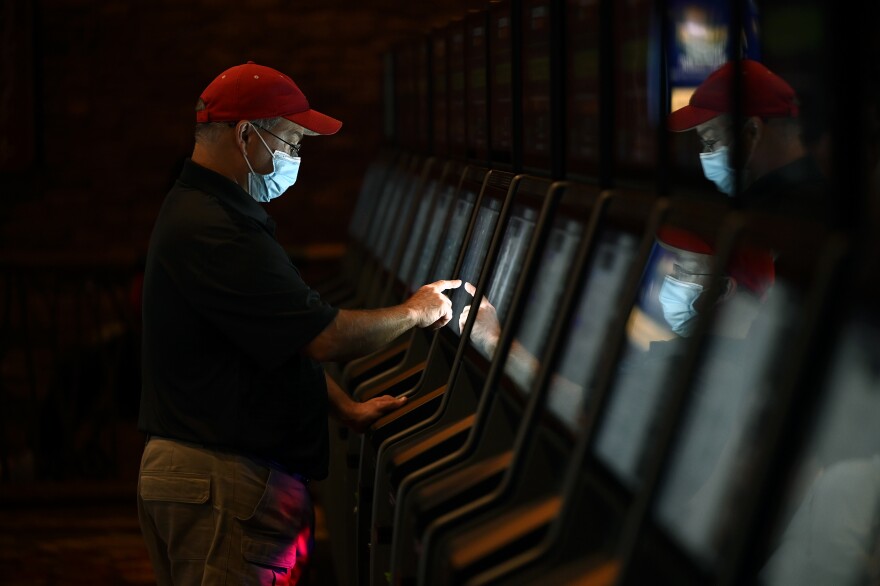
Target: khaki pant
point(211, 517)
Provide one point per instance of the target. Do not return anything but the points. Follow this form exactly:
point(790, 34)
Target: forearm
point(358, 332)
point(355, 414)
point(341, 404)
point(521, 363)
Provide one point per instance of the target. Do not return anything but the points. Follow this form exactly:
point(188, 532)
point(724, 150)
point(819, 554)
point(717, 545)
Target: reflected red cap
point(684, 240)
point(765, 94)
point(251, 92)
point(752, 268)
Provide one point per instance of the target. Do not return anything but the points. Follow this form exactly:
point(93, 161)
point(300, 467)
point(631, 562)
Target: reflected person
point(486, 332)
point(778, 174)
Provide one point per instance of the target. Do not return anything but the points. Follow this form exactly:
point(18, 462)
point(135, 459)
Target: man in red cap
point(234, 399)
point(777, 174)
point(682, 280)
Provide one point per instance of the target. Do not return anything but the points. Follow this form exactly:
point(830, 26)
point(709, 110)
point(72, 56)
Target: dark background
point(98, 101)
point(96, 116)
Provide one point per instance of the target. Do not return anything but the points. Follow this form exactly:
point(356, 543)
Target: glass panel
point(542, 302)
point(829, 528)
point(461, 215)
point(505, 274)
point(612, 259)
point(432, 239)
point(729, 395)
point(643, 367)
point(418, 229)
point(477, 248)
point(397, 228)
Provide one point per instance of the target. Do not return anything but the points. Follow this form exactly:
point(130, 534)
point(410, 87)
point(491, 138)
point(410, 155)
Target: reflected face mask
point(265, 188)
point(716, 168)
point(677, 299)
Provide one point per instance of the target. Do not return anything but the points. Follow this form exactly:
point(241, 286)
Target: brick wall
point(115, 86)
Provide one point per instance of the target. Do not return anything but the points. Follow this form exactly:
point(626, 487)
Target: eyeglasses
point(294, 148)
point(684, 275)
point(709, 145)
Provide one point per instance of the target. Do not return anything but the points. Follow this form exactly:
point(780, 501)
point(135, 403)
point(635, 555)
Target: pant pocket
point(180, 508)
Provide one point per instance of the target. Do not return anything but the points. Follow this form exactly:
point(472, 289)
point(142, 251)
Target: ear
point(728, 289)
point(242, 133)
point(754, 128)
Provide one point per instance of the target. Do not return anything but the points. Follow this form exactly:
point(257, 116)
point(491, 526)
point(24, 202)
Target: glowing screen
point(517, 237)
point(417, 231)
point(475, 255)
point(388, 200)
point(508, 266)
point(461, 214)
point(396, 230)
point(651, 350)
point(364, 208)
point(542, 301)
point(419, 275)
point(607, 268)
point(728, 397)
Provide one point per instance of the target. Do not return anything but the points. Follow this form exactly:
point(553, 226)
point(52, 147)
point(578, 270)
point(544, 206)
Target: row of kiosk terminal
point(589, 443)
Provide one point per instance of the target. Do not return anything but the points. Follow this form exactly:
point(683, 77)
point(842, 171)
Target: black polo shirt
point(798, 189)
point(225, 318)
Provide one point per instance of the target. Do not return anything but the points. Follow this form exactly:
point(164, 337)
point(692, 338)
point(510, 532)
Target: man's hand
point(360, 416)
point(356, 332)
point(486, 330)
point(430, 307)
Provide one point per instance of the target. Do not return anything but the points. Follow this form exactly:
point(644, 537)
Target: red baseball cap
point(684, 240)
point(765, 94)
point(752, 268)
point(251, 92)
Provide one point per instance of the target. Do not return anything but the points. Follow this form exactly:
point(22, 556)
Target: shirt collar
point(225, 190)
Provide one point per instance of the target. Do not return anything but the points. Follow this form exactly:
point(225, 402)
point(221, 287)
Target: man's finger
point(390, 402)
point(470, 288)
point(462, 318)
point(441, 322)
point(444, 285)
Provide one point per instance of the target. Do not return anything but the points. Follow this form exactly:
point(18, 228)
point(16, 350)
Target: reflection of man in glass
point(776, 173)
point(682, 294)
point(830, 536)
point(486, 329)
point(486, 332)
point(685, 276)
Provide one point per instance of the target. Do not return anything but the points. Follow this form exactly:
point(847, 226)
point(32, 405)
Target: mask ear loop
point(244, 152)
point(271, 154)
point(244, 148)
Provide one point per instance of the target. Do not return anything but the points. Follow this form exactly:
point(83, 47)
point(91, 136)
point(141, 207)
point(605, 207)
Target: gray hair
point(207, 132)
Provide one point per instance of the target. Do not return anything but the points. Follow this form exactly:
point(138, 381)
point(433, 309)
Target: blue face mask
point(265, 188)
point(677, 298)
point(716, 168)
